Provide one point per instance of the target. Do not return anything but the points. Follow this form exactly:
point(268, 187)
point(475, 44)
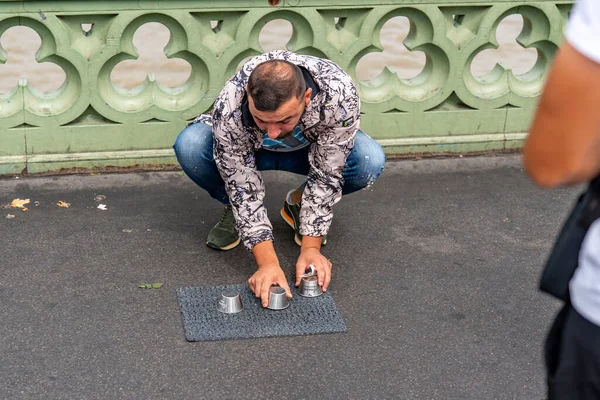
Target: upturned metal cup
point(309, 287)
point(277, 298)
point(230, 302)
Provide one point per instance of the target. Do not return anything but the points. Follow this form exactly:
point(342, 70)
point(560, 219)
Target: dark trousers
point(572, 355)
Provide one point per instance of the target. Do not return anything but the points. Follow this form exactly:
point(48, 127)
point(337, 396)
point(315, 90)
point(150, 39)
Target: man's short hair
point(274, 82)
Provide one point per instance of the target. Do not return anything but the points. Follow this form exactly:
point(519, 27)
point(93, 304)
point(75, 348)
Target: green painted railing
point(90, 122)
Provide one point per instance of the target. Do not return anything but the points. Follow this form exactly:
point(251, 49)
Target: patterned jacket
point(330, 122)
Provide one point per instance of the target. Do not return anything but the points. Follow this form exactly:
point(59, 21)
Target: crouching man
point(288, 112)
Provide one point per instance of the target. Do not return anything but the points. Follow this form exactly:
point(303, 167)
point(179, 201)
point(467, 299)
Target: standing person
point(563, 148)
point(288, 112)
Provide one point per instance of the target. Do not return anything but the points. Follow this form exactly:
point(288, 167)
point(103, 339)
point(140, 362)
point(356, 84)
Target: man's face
point(281, 122)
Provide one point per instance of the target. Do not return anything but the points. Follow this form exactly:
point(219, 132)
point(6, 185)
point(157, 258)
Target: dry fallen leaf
point(63, 204)
point(24, 209)
point(100, 197)
point(19, 203)
point(10, 216)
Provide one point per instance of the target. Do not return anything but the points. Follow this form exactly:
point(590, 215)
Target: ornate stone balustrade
point(89, 121)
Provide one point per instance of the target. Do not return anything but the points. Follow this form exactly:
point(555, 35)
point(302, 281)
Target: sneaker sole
point(224, 248)
point(287, 218)
point(290, 221)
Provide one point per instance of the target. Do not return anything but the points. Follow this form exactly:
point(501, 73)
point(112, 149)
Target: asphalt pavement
point(435, 274)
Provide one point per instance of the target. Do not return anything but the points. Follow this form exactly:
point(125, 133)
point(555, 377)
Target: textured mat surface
point(304, 316)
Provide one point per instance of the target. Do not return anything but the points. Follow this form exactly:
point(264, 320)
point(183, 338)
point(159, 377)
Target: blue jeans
point(194, 150)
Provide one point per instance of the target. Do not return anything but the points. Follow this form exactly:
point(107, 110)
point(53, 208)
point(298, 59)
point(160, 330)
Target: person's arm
point(233, 150)
point(327, 159)
point(563, 147)
point(246, 192)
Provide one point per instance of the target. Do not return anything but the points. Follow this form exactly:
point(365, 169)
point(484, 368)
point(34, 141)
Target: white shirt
point(583, 28)
point(583, 33)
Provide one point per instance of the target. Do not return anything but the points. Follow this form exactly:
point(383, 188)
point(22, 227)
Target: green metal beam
point(89, 122)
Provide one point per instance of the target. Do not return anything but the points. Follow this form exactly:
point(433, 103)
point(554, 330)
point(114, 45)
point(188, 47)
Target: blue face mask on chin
point(291, 141)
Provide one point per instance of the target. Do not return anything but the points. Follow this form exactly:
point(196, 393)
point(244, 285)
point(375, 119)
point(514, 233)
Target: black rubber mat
point(304, 316)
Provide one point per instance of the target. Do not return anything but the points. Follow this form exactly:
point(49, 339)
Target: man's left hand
point(313, 256)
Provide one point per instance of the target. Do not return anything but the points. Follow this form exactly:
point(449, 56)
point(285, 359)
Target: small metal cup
point(277, 298)
point(230, 302)
point(309, 287)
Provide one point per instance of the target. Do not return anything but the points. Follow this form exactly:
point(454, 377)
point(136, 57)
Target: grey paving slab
point(435, 274)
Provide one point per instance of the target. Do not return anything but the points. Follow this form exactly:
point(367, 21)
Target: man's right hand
point(269, 272)
point(265, 277)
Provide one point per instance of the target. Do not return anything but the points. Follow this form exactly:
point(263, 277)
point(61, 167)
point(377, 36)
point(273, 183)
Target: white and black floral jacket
point(330, 122)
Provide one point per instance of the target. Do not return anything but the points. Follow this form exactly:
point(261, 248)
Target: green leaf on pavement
point(156, 285)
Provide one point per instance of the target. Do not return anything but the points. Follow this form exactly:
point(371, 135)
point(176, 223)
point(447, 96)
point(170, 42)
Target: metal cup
point(277, 298)
point(230, 302)
point(309, 287)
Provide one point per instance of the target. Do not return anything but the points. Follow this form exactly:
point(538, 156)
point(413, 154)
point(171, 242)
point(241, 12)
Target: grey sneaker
point(223, 235)
point(291, 214)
